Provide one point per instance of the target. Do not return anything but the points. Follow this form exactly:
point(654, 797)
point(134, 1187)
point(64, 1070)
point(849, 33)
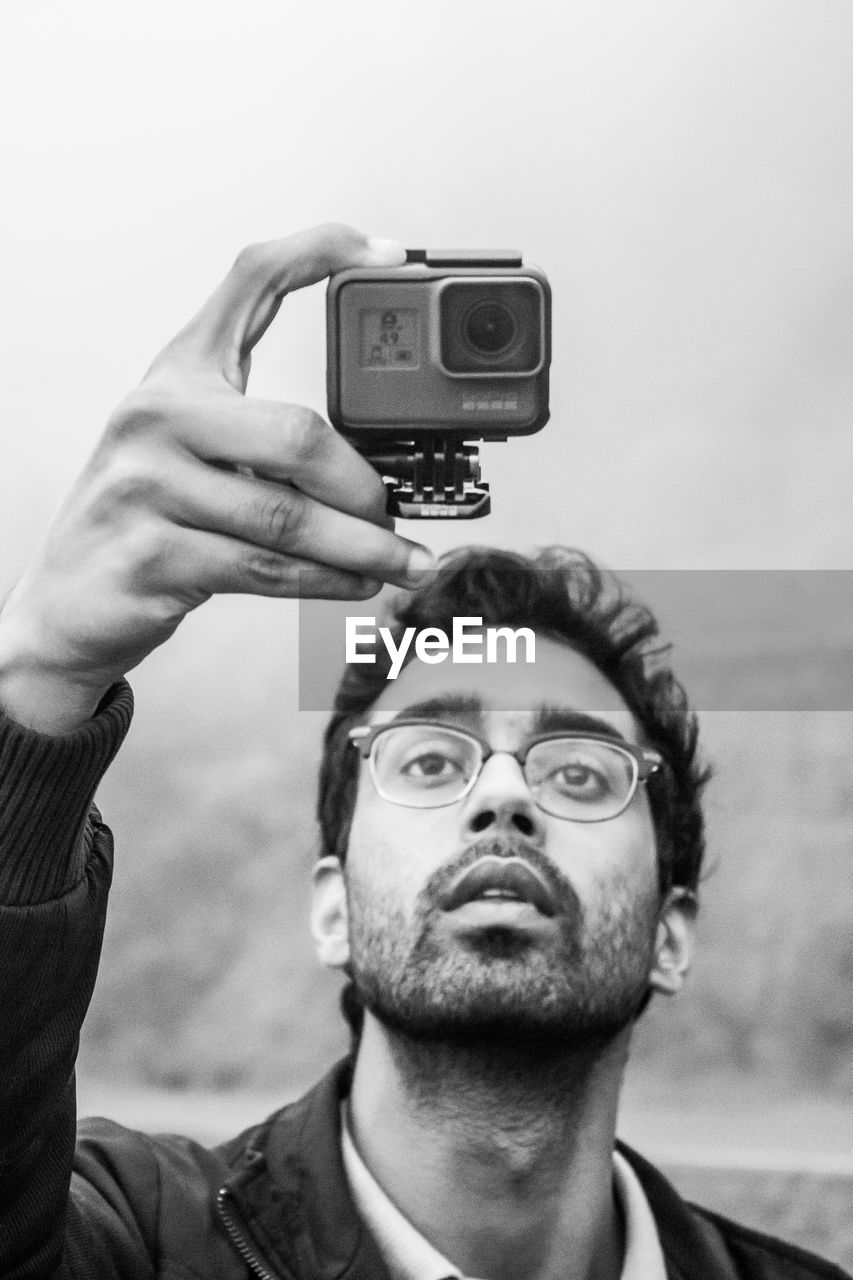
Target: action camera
point(453, 347)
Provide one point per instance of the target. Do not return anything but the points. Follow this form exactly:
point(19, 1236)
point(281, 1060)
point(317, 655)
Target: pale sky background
point(682, 171)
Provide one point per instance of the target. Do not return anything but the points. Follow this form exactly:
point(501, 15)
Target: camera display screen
point(388, 338)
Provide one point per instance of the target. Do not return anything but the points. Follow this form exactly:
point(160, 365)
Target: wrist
point(40, 693)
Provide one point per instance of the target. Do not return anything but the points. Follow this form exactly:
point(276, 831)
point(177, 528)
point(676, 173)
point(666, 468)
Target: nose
point(500, 802)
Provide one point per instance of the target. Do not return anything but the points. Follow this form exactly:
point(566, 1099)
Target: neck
point(513, 1173)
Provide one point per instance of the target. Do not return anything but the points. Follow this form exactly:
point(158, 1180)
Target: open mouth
point(494, 879)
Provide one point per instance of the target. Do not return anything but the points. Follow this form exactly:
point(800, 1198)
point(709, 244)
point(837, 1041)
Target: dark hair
point(561, 594)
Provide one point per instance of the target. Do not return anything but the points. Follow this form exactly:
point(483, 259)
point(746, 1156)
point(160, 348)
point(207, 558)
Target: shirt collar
point(409, 1256)
point(643, 1253)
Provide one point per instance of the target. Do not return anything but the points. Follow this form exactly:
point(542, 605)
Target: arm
point(193, 489)
point(55, 867)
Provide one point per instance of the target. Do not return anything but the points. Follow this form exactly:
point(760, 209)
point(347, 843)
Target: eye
point(432, 765)
point(583, 780)
point(581, 771)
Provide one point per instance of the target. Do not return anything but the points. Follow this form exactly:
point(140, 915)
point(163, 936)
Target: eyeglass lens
point(426, 766)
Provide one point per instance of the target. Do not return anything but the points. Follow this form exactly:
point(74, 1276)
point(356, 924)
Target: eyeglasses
point(583, 777)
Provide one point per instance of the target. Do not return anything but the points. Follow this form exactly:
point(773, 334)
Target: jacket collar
point(692, 1245)
point(293, 1195)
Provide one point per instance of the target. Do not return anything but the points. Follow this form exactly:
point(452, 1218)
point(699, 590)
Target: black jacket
point(278, 1197)
point(275, 1201)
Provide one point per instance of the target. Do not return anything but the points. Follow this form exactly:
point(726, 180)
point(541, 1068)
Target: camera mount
point(433, 477)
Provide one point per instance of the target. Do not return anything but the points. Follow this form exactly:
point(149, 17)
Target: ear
point(674, 941)
point(329, 918)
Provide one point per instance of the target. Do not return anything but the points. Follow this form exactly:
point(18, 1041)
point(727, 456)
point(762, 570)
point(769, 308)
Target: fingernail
point(421, 563)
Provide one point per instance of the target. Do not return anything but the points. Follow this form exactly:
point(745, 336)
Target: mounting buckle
point(435, 477)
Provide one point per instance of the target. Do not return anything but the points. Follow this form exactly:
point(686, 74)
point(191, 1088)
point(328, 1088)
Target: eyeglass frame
point(645, 760)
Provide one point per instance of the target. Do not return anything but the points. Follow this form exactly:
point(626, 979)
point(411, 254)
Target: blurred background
point(684, 174)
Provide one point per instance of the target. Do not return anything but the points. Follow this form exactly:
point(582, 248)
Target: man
point(511, 854)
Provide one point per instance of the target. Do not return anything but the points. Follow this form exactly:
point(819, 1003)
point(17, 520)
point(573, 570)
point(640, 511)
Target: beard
point(577, 987)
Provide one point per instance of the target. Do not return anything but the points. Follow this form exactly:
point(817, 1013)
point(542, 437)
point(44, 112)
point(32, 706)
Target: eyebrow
point(455, 706)
point(548, 717)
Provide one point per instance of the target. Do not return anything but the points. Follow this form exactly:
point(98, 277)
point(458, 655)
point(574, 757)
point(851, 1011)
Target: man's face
point(570, 969)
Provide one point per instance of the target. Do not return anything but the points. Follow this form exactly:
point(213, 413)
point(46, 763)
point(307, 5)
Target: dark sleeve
point(55, 869)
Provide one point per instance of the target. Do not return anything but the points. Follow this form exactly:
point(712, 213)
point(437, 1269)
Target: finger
point(280, 518)
point(280, 442)
point(217, 564)
point(222, 334)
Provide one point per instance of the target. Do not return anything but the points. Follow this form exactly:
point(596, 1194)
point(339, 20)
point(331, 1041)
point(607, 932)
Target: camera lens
point(489, 327)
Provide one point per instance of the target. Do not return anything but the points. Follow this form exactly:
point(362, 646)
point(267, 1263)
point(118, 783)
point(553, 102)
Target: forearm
point(55, 868)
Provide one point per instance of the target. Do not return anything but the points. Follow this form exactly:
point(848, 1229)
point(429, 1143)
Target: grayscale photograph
point(426, 640)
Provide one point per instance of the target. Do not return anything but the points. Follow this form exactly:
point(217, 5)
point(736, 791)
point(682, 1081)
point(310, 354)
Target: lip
point(513, 876)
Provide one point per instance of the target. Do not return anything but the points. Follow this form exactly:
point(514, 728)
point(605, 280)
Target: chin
point(497, 1009)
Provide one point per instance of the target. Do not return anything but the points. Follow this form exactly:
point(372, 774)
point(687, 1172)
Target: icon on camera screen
point(389, 338)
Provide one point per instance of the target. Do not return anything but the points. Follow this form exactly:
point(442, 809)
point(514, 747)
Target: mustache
point(440, 882)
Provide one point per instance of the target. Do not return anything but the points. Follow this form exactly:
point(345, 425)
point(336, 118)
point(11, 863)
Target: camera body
point(454, 346)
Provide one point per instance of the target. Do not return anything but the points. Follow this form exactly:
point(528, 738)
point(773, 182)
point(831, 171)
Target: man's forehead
point(561, 690)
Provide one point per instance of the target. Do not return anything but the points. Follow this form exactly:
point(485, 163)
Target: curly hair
point(562, 595)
